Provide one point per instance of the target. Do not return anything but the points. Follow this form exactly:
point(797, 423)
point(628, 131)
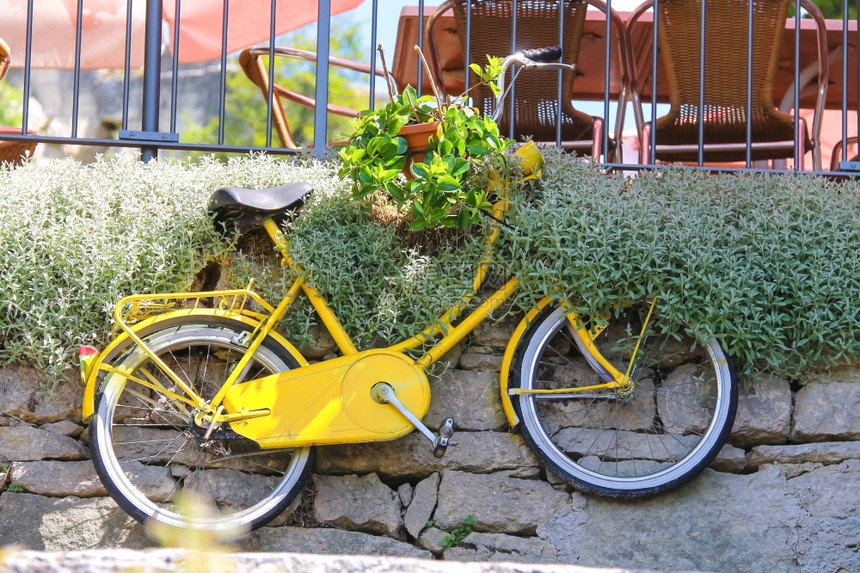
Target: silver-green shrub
point(381, 289)
point(767, 263)
point(75, 239)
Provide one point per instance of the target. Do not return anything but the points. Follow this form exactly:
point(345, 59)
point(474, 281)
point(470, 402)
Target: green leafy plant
point(457, 534)
point(387, 290)
point(462, 147)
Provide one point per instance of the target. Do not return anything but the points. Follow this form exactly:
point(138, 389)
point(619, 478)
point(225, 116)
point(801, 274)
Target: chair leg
point(836, 154)
point(645, 145)
point(800, 160)
point(597, 139)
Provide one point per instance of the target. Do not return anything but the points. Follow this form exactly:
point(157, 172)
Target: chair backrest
point(726, 34)
point(536, 24)
point(729, 98)
point(250, 59)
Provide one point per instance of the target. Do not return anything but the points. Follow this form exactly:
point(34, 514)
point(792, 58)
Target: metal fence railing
point(156, 95)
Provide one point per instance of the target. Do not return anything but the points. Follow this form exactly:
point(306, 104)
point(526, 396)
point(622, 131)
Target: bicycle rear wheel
point(605, 442)
point(158, 464)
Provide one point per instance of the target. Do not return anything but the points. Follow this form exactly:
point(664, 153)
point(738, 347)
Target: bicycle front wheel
point(655, 435)
point(159, 464)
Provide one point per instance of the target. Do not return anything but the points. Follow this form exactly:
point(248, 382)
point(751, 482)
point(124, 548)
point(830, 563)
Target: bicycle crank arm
point(384, 394)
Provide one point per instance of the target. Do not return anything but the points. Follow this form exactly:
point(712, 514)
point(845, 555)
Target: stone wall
point(783, 497)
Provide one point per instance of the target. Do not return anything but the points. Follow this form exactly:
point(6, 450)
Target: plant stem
point(439, 97)
point(388, 78)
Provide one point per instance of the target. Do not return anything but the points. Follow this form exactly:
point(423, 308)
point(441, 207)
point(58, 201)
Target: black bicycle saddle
point(245, 209)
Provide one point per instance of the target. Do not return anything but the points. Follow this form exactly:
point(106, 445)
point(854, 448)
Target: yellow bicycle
point(212, 401)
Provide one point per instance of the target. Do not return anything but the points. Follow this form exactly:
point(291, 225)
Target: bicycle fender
point(122, 342)
point(507, 361)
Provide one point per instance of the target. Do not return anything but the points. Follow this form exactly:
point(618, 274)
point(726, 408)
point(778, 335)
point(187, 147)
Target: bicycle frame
point(359, 396)
point(306, 414)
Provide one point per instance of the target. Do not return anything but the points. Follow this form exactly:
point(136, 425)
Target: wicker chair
point(725, 112)
point(255, 68)
point(536, 109)
point(12, 152)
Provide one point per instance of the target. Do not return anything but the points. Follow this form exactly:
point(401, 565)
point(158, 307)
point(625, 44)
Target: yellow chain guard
point(330, 402)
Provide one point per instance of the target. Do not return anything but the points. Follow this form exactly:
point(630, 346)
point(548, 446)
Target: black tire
point(663, 434)
point(147, 451)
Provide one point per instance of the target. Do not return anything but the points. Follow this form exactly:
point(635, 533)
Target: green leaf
point(463, 219)
point(458, 167)
point(478, 148)
point(401, 147)
point(420, 170)
point(418, 225)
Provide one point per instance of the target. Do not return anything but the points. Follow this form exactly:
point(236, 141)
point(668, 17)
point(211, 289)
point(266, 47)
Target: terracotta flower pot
point(416, 136)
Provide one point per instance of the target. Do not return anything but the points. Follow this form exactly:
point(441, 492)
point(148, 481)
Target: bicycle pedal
point(446, 431)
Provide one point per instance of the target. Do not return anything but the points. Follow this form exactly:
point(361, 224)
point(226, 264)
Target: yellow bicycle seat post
point(279, 239)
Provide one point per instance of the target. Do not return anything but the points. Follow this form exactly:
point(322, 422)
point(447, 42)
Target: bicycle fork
point(613, 378)
point(584, 339)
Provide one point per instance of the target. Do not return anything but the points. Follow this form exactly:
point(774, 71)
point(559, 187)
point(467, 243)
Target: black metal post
point(320, 119)
point(151, 75)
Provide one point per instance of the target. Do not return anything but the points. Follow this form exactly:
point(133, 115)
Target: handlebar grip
point(543, 55)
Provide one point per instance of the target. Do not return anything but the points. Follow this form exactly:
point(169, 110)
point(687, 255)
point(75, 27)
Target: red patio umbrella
point(103, 28)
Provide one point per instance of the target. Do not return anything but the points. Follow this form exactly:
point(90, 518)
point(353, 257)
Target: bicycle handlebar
point(543, 55)
point(546, 58)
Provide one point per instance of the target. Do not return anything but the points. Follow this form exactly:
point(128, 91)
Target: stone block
point(422, 506)
point(411, 457)
point(327, 541)
point(499, 503)
point(483, 547)
point(58, 479)
point(730, 459)
point(64, 524)
point(824, 452)
point(22, 396)
point(827, 410)
point(431, 539)
point(26, 443)
point(357, 503)
point(764, 412)
point(480, 361)
point(717, 522)
point(470, 397)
